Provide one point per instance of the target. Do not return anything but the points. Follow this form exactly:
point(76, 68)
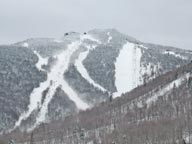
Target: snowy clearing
point(55, 79)
point(167, 88)
point(25, 45)
point(82, 56)
point(80, 67)
point(41, 61)
point(127, 68)
point(174, 54)
point(88, 36)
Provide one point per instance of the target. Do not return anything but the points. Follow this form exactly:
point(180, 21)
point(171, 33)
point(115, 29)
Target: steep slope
point(54, 80)
point(157, 112)
point(127, 68)
point(82, 70)
point(18, 77)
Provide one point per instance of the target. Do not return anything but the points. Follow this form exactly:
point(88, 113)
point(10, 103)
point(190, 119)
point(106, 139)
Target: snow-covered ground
point(25, 45)
point(54, 80)
point(174, 54)
point(41, 61)
point(80, 67)
point(82, 56)
point(35, 99)
point(109, 37)
point(56, 76)
point(143, 47)
point(58, 40)
point(90, 37)
point(167, 88)
point(188, 138)
point(127, 69)
point(149, 70)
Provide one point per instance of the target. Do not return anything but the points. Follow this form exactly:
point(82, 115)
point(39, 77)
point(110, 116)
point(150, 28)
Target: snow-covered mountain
point(157, 112)
point(47, 79)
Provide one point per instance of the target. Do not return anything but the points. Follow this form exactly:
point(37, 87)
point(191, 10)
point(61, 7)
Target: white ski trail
point(54, 80)
point(127, 69)
point(80, 67)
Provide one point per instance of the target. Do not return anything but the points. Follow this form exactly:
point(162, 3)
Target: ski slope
point(55, 79)
point(80, 67)
point(127, 69)
point(41, 61)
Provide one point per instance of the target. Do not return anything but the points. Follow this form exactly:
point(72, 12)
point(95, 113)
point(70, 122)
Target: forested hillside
point(47, 79)
point(157, 112)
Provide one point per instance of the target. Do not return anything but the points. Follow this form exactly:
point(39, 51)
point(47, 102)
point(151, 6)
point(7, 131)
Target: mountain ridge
point(58, 61)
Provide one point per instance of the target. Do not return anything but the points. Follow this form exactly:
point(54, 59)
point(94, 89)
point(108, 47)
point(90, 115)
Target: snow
point(127, 68)
point(90, 37)
point(25, 45)
point(80, 67)
point(167, 88)
point(109, 37)
point(57, 78)
point(57, 41)
point(82, 56)
point(148, 69)
point(54, 80)
point(174, 54)
point(41, 61)
point(35, 98)
point(188, 139)
point(142, 46)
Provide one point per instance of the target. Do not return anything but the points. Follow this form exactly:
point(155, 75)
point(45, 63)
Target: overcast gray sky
point(167, 22)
